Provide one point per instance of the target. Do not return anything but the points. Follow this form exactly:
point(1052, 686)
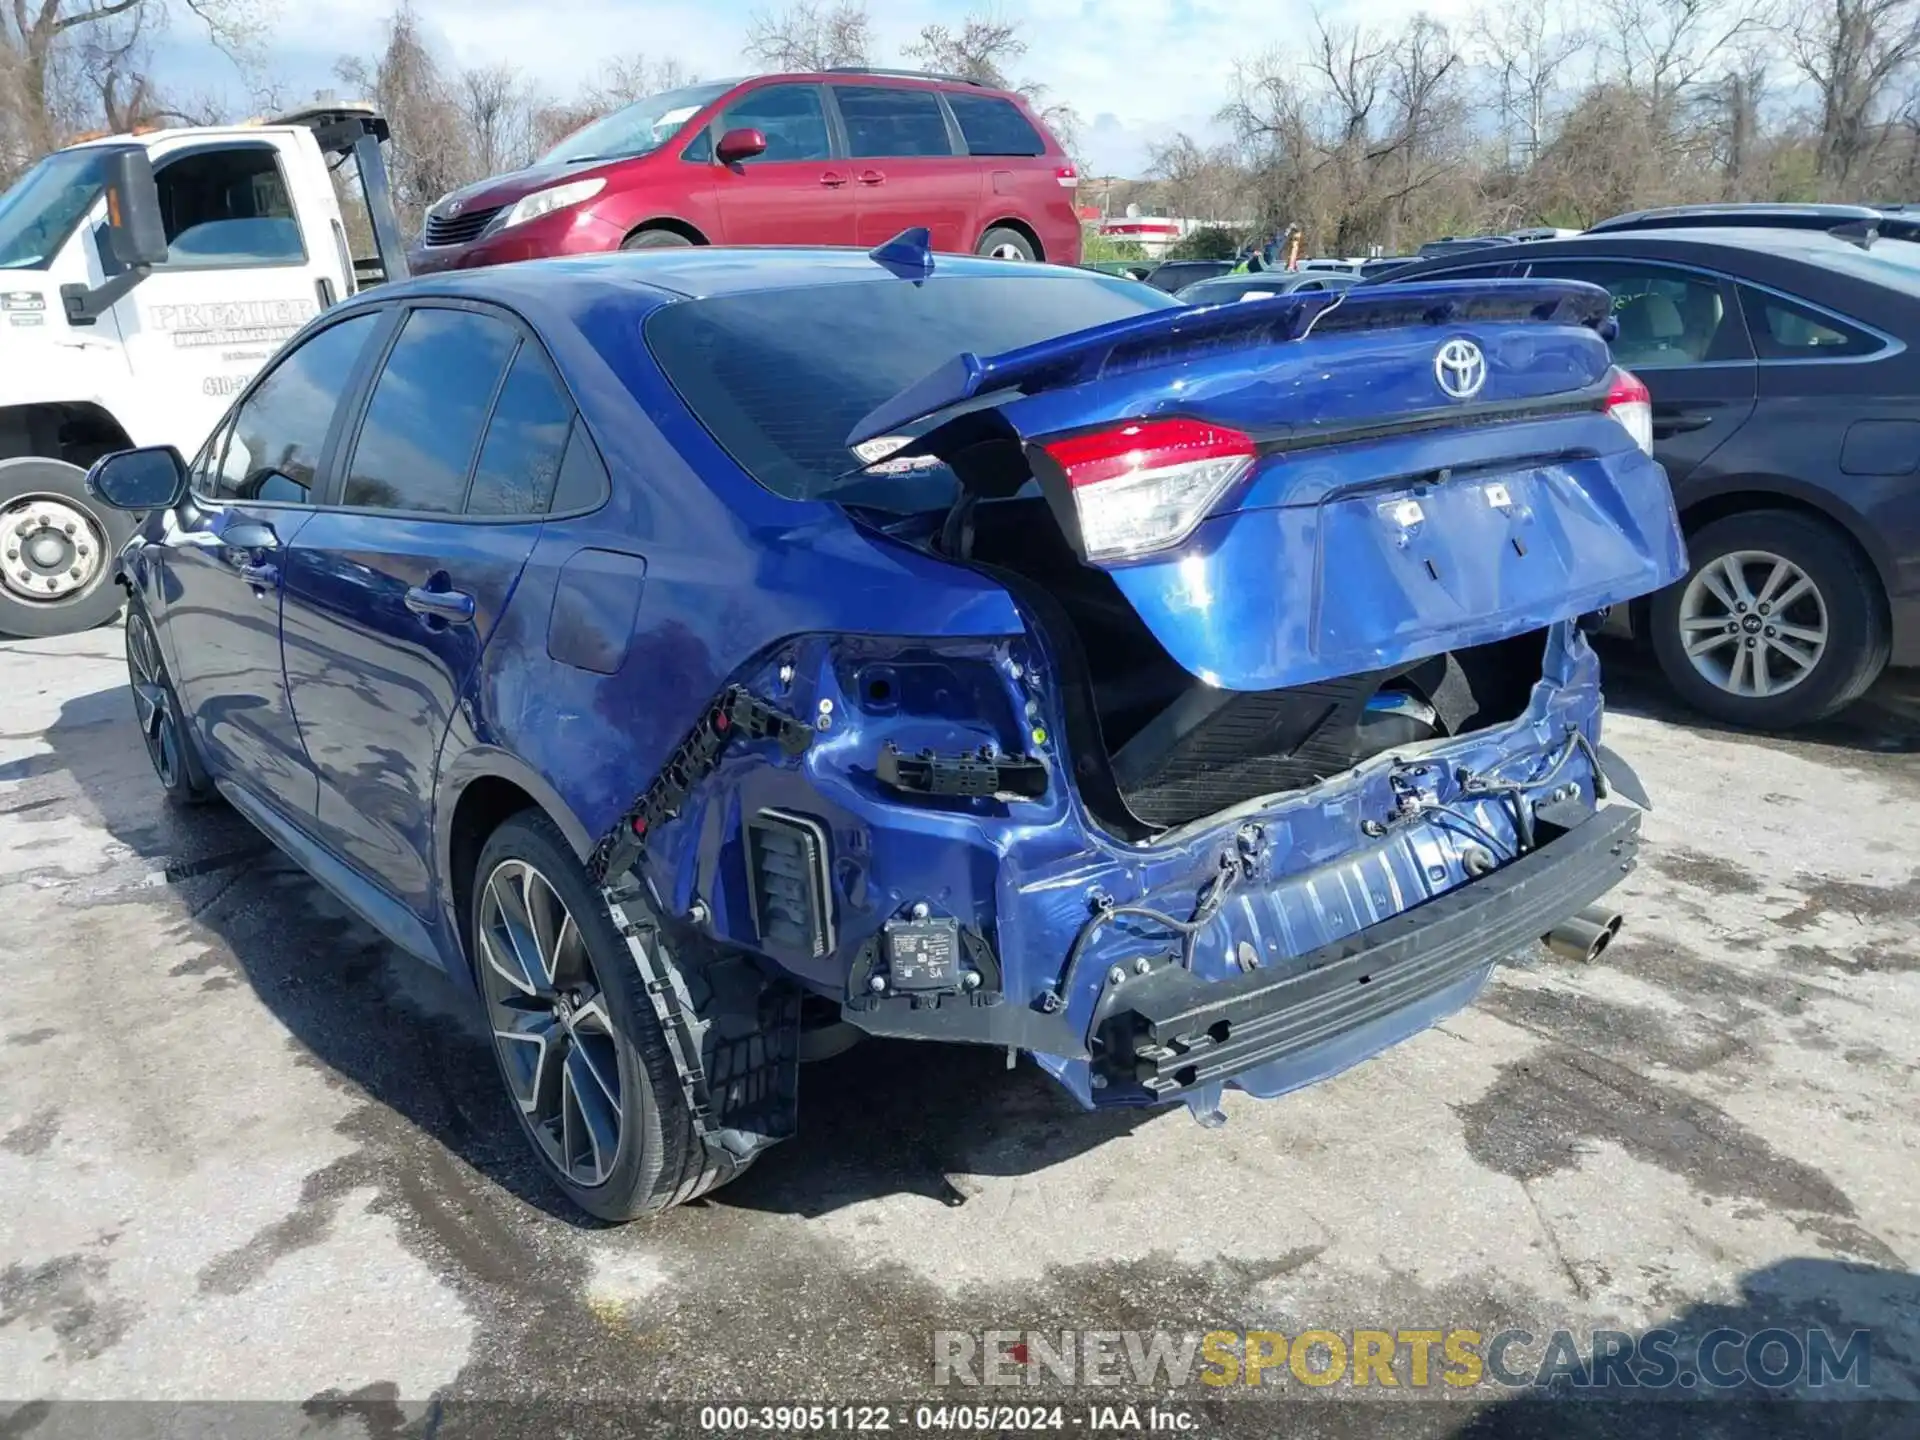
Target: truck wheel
point(577, 1040)
point(156, 709)
point(57, 550)
point(1003, 243)
point(1778, 623)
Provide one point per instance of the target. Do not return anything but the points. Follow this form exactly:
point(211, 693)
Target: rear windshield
point(780, 377)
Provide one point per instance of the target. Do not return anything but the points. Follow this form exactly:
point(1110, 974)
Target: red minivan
point(847, 157)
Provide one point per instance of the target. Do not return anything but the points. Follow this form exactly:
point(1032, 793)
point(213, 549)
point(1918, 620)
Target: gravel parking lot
point(246, 1153)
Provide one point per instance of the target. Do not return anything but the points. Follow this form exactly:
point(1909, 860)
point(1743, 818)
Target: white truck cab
point(144, 279)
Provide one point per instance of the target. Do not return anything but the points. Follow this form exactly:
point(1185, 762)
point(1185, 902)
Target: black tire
point(1857, 645)
point(660, 1161)
point(99, 601)
point(1005, 238)
point(162, 723)
point(655, 240)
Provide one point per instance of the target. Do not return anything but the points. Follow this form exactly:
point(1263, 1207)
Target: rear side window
point(780, 377)
point(790, 116)
point(423, 423)
point(279, 431)
point(526, 439)
point(1666, 316)
point(1783, 330)
point(992, 126)
point(887, 122)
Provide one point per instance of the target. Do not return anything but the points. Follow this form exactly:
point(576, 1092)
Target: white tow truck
point(144, 279)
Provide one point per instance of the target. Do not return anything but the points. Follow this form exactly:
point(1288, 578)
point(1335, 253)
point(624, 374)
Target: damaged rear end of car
point(1294, 731)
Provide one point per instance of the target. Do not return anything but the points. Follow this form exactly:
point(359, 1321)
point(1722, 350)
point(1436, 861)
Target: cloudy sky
point(1134, 69)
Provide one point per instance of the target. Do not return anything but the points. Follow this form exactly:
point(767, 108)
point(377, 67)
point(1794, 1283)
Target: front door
point(393, 590)
point(1681, 332)
point(225, 557)
point(242, 274)
point(799, 192)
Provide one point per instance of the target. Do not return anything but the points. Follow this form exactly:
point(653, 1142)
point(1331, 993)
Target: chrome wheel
point(1753, 623)
point(550, 1022)
point(52, 548)
point(152, 701)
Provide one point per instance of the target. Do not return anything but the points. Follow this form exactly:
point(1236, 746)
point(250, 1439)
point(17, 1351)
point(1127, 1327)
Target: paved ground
point(246, 1153)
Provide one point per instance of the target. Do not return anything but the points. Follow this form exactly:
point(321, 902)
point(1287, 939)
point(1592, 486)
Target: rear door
point(906, 167)
point(1681, 331)
point(393, 590)
point(800, 191)
point(1021, 179)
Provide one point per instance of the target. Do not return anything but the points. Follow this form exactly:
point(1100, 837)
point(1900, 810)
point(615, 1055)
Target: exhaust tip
point(1584, 938)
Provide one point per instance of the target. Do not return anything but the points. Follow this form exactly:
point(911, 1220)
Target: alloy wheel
point(550, 1022)
point(1007, 250)
point(152, 701)
point(1753, 623)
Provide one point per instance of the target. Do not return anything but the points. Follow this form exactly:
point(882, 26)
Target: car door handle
point(1679, 422)
point(453, 606)
point(262, 577)
point(872, 177)
point(833, 180)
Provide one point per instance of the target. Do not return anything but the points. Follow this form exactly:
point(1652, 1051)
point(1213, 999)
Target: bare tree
point(810, 36)
point(981, 49)
point(429, 153)
point(1853, 52)
point(496, 110)
point(1527, 46)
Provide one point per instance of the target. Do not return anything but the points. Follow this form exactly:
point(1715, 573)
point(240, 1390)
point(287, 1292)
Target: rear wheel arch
point(482, 794)
point(666, 224)
point(1020, 227)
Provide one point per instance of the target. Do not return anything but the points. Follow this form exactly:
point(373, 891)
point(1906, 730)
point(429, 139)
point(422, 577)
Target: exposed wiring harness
point(1212, 898)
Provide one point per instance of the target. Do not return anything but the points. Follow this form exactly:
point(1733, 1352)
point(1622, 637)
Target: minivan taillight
point(1630, 404)
point(1068, 177)
point(1146, 485)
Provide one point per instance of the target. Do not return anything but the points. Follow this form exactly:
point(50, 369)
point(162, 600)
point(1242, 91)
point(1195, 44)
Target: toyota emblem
point(454, 209)
point(1460, 368)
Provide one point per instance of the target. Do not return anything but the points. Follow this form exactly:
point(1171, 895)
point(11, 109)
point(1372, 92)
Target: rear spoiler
point(1164, 337)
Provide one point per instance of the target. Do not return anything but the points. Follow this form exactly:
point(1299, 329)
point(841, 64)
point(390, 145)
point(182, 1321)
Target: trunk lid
point(1292, 488)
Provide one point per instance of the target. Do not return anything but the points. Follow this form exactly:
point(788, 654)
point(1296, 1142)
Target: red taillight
point(1630, 404)
point(1144, 486)
point(1068, 177)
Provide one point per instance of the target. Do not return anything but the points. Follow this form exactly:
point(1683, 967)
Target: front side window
point(426, 413)
point(279, 431)
point(883, 121)
point(1783, 330)
point(1666, 316)
point(41, 208)
point(790, 116)
point(228, 207)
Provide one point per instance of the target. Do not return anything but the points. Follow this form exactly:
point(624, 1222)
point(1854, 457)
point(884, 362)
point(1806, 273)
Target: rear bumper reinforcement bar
point(1172, 1030)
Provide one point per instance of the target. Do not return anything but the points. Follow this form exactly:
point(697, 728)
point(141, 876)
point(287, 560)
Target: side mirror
point(135, 231)
point(741, 144)
point(152, 478)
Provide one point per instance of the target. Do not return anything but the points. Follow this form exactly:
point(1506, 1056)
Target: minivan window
point(281, 427)
point(886, 121)
point(423, 422)
point(520, 460)
point(992, 126)
point(780, 377)
point(641, 127)
point(790, 116)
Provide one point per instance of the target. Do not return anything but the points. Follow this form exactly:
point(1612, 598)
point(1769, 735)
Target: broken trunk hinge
point(742, 1089)
point(736, 715)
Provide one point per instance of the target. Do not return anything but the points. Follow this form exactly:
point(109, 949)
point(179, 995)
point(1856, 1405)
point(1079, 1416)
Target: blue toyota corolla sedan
point(705, 657)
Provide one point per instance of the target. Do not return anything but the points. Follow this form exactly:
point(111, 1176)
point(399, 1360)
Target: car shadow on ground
point(886, 1117)
point(1884, 722)
point(1862, 1321)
